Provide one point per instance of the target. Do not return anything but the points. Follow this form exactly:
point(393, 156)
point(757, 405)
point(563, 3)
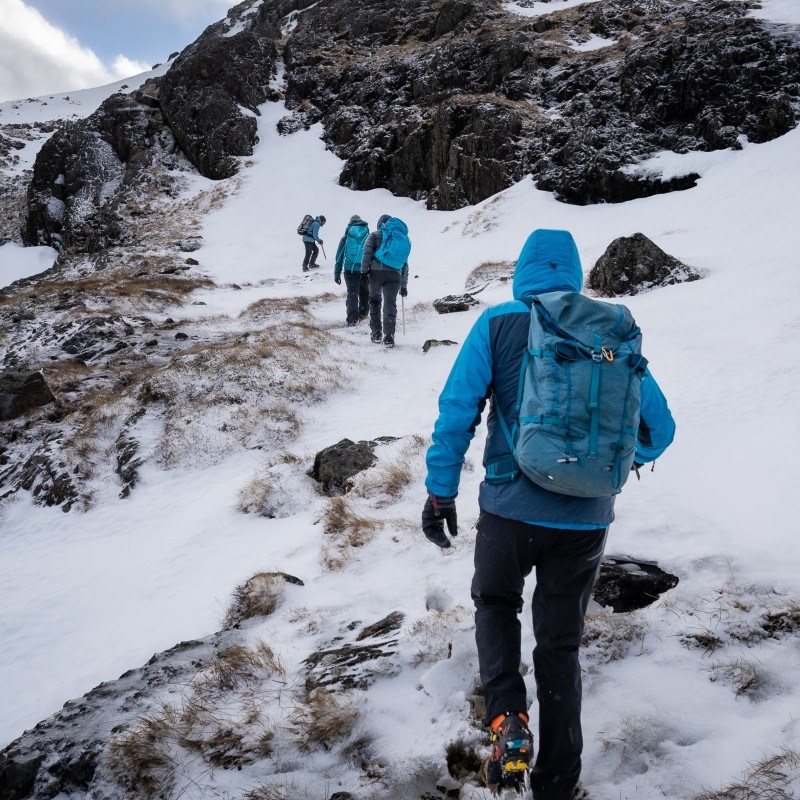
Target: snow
point(783, 11)
point(21, 262)
point(540, 9)
point(87, 596)
point(594, 42)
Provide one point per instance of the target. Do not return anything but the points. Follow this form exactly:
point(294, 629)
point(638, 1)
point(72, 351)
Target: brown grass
point(345, 530)
point(329, 718)
point(259, 596)
point(773, 778)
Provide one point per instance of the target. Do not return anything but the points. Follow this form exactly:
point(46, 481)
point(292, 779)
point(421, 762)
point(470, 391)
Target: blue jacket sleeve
point(339, 257)
point(656, 426)
point(460, 406)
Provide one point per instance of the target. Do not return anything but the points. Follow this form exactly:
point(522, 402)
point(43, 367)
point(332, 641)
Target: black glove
point(436, 512)
point(404, 293)
point(338, 279)
point(320, 241)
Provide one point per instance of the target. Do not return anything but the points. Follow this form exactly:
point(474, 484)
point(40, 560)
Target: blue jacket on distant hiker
point(385, 261)
point(522, 523)
point(349, 254)
point(310, 240)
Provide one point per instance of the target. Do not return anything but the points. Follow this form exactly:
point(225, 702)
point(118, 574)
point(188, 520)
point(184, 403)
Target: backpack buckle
point(607, 354)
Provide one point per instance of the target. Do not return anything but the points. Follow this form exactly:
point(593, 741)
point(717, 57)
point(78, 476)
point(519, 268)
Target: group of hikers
point(573, 409)
point(375, 268)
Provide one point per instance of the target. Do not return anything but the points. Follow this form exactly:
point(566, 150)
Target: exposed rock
point(336, 466)
point(44, 475)
point(633, 264)
point(22, 390)
point(351, 666)
point(62, 754)
point(454, 302)
point(436, 343)
point(627, 584)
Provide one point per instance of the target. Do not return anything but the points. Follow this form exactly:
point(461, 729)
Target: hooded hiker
point(311, 238)
point(348, 259)
point(572, 404)
point(385, 261)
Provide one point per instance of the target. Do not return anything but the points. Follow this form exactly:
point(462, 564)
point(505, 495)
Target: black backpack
point(303, 227)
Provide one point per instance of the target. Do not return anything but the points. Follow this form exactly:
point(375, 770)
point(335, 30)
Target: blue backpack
point(354, 242)
point(396, 245)
point(577, 411)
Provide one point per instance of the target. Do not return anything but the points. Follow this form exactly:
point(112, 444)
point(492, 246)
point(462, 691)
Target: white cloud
point(38, 58)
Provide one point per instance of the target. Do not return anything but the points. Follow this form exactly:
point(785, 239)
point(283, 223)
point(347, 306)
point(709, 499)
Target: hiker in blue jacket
point(522, 526)
point(386, 279)
point(348, 260)
point(310, 240)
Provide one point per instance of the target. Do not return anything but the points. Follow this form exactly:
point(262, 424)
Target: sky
point(49, 46)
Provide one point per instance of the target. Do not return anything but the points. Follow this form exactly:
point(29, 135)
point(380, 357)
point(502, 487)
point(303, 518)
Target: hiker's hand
point(404, 293)
point(436, 512)
point(338, 279)
point(320, 241)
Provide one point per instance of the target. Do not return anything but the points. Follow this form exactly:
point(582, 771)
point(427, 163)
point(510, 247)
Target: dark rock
point(22, 390)
point(44, 475)
point(627, 584)
point(127, 447)
point(436, 343)
point(147, 93)
point(349, 665)
point(203, 93)
point(192, 262)
point(181, 336)
point(454, 302)
point(632, 264)
point(335, 466)
point(191, 244)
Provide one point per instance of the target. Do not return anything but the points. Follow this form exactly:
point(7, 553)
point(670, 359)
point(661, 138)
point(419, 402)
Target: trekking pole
point(403, 307)
point(323, 252)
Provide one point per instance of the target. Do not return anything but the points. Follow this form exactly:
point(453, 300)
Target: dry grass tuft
point(258, 596)
point(267, 791)
point(329, 718)
point(489, 272)
point(745, 676)
point(345, 530)
point(774, 778)
point(610, 637)
point(238, 666)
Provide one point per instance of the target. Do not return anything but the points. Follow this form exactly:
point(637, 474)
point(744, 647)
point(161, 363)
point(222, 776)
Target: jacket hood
point(355, 218)
point(384, 218)
point(357, 223)
point(549, 262)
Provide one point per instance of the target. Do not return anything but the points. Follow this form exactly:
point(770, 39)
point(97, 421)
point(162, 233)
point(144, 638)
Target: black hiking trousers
point(566, 562)
point(357, 295)
point(384, 286)
point(312, 251)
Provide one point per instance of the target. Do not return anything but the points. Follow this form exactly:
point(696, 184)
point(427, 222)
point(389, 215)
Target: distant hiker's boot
point(313, 266)
point(388, 340)
point(512, 752)
point(376, 336)
point(305, 268)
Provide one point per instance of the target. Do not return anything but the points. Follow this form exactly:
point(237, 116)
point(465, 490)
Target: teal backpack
point(354, 242)
point(396, 245)
point(576, 418)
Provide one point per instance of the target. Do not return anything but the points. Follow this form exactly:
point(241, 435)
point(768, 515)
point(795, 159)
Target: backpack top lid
point(549, 262)
point(395, 245)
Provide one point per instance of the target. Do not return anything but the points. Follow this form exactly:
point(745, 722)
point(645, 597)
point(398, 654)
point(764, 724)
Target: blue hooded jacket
point(489, 365)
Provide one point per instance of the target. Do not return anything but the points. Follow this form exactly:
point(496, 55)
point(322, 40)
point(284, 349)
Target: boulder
point(626, 584)
point(336, 466)
point(436, 343)
point(22, 390)
point(454, 302)
point(633, 264)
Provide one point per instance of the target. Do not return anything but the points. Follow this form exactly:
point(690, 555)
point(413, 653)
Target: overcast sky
point(49, 46)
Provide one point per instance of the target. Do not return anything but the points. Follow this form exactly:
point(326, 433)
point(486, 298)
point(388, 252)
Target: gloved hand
point(436, 512)
point(404, 293)
point(320, 241)
point(338, 279)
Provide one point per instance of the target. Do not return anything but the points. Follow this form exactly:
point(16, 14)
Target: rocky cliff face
point(447, 100)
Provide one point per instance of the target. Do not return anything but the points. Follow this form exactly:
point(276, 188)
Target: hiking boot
point(376, 336)
point(313, 266)
point(512, 752)
point(388, 340)
point(305, 268)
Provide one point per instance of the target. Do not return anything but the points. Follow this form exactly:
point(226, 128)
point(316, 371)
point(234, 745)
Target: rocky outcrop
point(451, 303)
point(633, 264)
point(21, 390)
point(626, 584)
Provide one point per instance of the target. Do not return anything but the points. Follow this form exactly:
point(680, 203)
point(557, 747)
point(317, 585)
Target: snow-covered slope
point(87, 596)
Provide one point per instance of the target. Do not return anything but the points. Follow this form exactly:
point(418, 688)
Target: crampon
point(512, 750)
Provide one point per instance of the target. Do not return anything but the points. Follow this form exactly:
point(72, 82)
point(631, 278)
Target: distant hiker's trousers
point(312, 251)
point(383, 283)
point(357, 294)
point(566, 562)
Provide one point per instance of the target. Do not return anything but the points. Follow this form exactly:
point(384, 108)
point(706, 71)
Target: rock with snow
point(22, 390)
point(627, 584)
point(454, 302)
point(336, 466)
point(633, 264)
point(429, 343)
